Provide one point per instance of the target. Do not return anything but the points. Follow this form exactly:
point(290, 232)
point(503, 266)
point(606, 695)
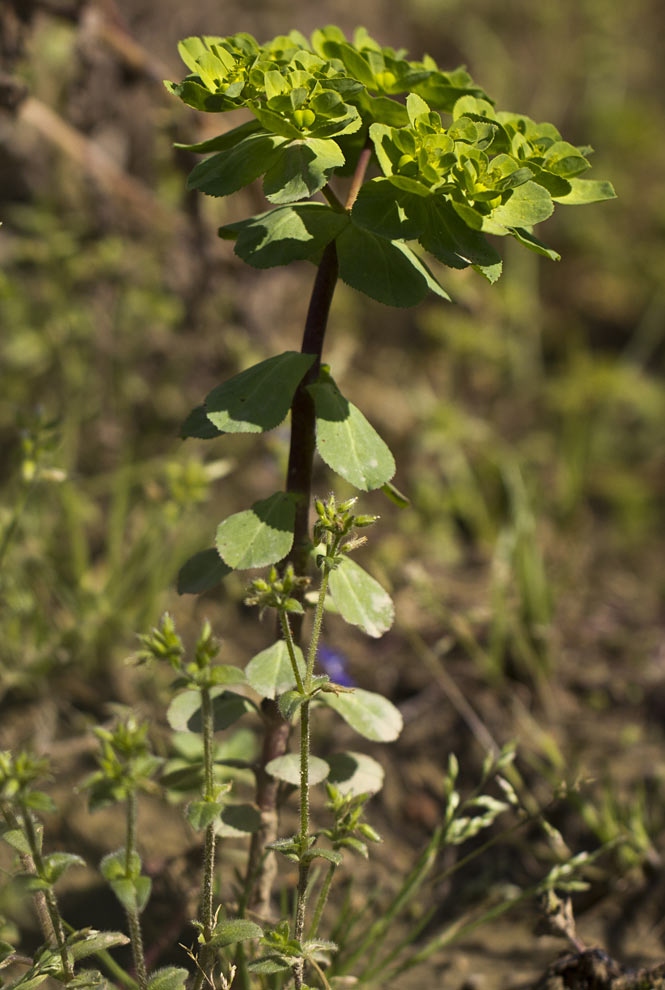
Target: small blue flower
point(334, 665)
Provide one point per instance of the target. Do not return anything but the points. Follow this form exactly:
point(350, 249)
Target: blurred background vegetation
point(528, 418)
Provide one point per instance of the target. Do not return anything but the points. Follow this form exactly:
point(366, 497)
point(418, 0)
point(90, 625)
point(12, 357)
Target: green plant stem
point(133, 920)
point(28, 865)
point(136, 938)
point(316, 629)
point(299, 482)
point(208, 880)
point(49, 897)
point(304, 865)
point(290, 645)
point(321, 900)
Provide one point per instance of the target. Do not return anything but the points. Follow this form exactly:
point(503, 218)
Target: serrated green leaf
point(184, 712)
point(270, 672)
point(258, 398)
point(370, 714)
point(238, 821)
point(203, 571)
point(378, 208)
point(198, 425)
point(231, 932)
point(527, 205)
point(347, 442)
point(450, 239)
point(584, 191)
point(355, 773)
point(287, 768)
point(258, 536)
point(168, 978)
point(288, 233)
point(360, 599)
point(300, 169)
point(228, 171)
point(385, 270)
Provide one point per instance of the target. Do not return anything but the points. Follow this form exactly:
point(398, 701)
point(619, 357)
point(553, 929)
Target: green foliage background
point(528, 418)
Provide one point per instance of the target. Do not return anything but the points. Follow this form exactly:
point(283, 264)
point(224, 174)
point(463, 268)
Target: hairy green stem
point(208, 880)
point(290, 645)
point(28, 865)
point(49, 896)
point(304, 865)
point(133, 921)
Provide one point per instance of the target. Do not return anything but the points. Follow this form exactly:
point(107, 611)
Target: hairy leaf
point(270, 672)
point(370, 714)
point(360, 599)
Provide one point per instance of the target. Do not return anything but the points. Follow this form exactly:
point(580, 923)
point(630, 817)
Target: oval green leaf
point(385, 270)
point(370, 714)
point(168, 978)
point(355, 773)
point(228, 171)
point(184, 712)
point(236, 930)
point(270, 672)
point(203, 571)
point(360, 599)
point(347, 442)
point(300, 169)
point(259, 398)
point(238, 821)
point(287, 768)
point(528, 204)
point(260, 535)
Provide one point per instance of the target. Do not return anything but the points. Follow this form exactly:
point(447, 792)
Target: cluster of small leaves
point(349, 831)
point(278, 591)
point(446, 184)
point(18, 775)
point(126, 764)
point(465, 819)
point(282, 951)
point(334, 530)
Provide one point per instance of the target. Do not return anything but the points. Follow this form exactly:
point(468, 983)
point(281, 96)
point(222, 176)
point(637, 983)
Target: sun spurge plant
point(369, 161)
